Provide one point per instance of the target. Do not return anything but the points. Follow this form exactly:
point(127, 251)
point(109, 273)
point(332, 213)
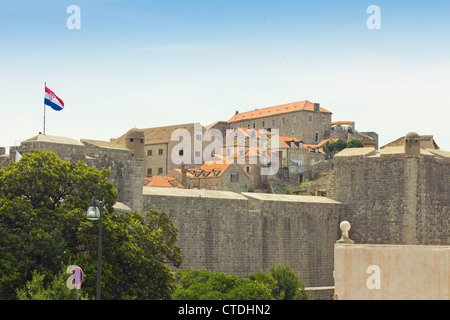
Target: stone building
point(345, 130)
point(296, 158)
point(304, 120)
point(158, 146)
point(214, 176)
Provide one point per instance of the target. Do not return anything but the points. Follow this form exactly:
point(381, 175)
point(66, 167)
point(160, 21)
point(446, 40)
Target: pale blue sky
point(153, 63)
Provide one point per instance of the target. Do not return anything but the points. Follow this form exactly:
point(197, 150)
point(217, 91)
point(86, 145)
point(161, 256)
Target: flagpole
point(45, 86)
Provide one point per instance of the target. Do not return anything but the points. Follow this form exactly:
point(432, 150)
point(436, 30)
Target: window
point(293, 119)
point(323, 120)
point(197, 154)
point(234, 177)
point(131, 139)
point(310, 118)
point(181, 152)
point(149, 153)
point(149, 172)
point(292, 144)
point(254, 125)
point(247, 169)
point(160, 170)
point(160, 152)
point(248, 126)
point(273, 123)
point(142, 140)
point(282, 121)
point(198, 137)
point(263, 124)
point(317, 137)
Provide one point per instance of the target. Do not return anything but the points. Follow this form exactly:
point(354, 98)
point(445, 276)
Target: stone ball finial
point(345, 227)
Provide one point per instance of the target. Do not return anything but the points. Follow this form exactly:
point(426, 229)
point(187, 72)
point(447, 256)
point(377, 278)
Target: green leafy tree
point(355, 143)
point(265, 278)
point(329, 146)
point(332, 147)
point(195, 284)
point(43, 229)
point(289, 285)
point(340, 145)
point(55, 290)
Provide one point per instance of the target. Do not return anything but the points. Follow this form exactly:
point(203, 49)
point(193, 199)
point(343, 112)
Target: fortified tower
point(412, 145)
point(135, 140)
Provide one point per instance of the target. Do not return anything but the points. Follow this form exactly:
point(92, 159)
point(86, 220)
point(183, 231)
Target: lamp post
point(94, 212)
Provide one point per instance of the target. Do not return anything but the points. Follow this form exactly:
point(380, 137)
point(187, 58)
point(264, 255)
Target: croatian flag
point(50, 99)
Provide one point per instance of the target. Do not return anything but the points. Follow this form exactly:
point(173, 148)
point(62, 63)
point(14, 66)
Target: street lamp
point(94, 212)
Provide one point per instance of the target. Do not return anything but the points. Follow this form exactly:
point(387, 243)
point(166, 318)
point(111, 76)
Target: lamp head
point(93, 212)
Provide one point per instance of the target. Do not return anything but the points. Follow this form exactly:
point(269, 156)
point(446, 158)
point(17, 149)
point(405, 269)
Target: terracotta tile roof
point(189, 172)
point(163, 182)
point(210, 169)
point(286, 141)
point(270, 111)
point(207, 170)
point(342, 122)
point(312, 147)
point(210, 165)
point(209, 126)
point(321, 143)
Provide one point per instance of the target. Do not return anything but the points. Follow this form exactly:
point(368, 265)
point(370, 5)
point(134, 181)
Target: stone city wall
point(126, 172)
point(239, 234)
point(433, 225)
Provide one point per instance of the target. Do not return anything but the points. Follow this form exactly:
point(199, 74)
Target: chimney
point(236, 112)
point(316, 107)
point(183, 175)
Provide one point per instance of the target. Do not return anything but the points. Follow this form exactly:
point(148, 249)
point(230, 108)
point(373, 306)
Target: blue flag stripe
point(54, 106)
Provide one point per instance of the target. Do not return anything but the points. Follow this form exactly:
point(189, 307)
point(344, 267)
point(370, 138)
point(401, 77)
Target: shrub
point(192, 284)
